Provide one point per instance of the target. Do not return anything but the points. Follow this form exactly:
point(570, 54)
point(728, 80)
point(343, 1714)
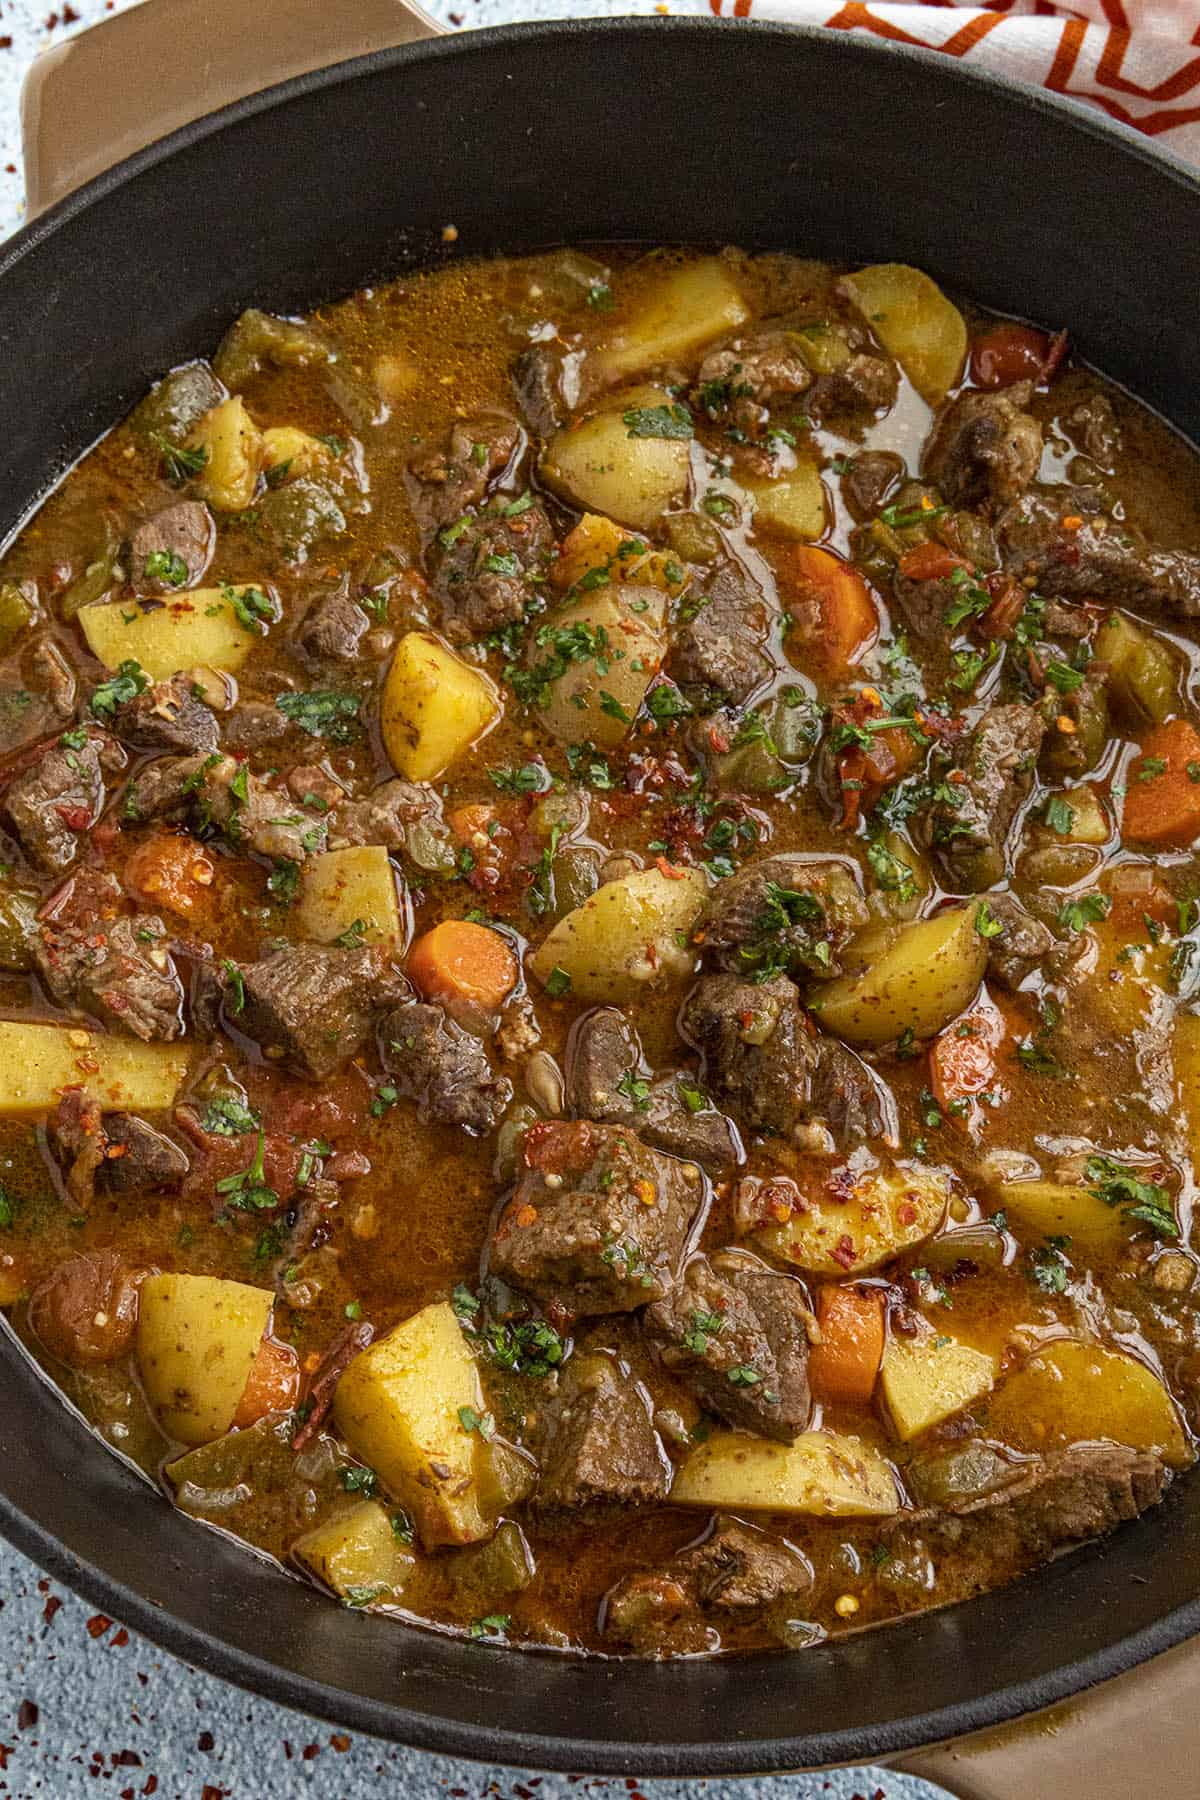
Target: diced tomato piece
point(1009, 353)
point(272, 1385)
point(931, 562)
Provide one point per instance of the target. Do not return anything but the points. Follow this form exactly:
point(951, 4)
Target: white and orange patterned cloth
point(1138, 60)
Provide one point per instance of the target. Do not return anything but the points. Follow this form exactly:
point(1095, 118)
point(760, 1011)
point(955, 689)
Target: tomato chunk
point(1009, 353)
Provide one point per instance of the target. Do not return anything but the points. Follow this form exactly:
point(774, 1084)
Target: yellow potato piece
point(201, 626)
point(599, 543)
point(293, 452)
point(344, 888)
point(793, 506)
point(1126, 989)
point(823, 1472)
point(597, 465)
point(1186, 1053)
point(232, 444)
point(914, 322)
point(925, 1380)
point(596, 698)
point(434, 707)
point(686, 309)
point(922, 976)
point(358, 1555)
point(38, 1061)
point(401, 1407)
point(626, 936)
point(1072, 1392)
point(886, 1211)
point(197, 1339)
point(1041, 1209)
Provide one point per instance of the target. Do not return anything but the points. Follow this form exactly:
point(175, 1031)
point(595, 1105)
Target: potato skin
point(623, 937)
point(197, 1339)
point(852, 1232)
point(342, 886)
point(596, 464)
point(822, 1472)
point(434, 707)
point(914, 322)
point(596, 698)
point(1072, 1392)
point(923, 977)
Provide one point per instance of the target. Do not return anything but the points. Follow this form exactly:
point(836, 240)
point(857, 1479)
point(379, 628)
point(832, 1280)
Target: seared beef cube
point(863, 384)
point(94, 959)
point(433, 1061)
point(535, 376)
point(1064, 1498)
point(1023, 945)
point(257, 816)
point(1065, 540)
point(310, 1006)
point(390, 815)
point(167, 786)
point(334, 626)
point(985, 449)
point(759, 366)
point(478, 451)
point(139, 1157)
point(784, 912)
point(254, 725)
point(868, 479)
point(606, 1082)
point(734, 1572)
point(173, 549)
point(168, 716)
point(722, 649)
point(53, 676)
point(738, 1335)
point(481, 572)
point(758, 1053)
point(967, 826)
point(855, 1102)
point(598, 1222)
point(54, 804)
point(600, 1448)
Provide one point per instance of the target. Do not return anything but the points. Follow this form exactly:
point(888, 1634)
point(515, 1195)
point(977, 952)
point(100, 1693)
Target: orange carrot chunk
point(1162, 798)
point(272, 1385)
point(962, 1059)
point(169, 871)
point(459, 960)
point(834, 619)
point(843, 1366)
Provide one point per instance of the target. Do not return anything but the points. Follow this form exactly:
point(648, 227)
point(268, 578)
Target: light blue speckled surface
point(87, 1709)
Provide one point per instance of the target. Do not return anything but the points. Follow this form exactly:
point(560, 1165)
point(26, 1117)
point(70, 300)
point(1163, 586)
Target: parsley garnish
point(658, 422)
point(166, 566)
point(323, 713)
point(129, 681)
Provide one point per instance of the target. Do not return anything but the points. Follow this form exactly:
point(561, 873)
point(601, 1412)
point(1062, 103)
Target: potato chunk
point(792, 506)
point(349, 892)
point(848, 1232)
point(612, 462)
point(38, 1061)
point(823, 1472)
point(197, 1340)
point(928, 1379)
point(616, 632)
point(916, 978)
point(914, 322)
point(680, 313)
point(214, 626)
point(406, 1406)
point(1072, 1392)
point(626, 936)
point(1052, 1209)
point(232, 446)
point(434, 708)
point(359, 1555)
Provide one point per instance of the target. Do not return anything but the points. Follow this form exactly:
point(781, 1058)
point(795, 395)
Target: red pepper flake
point(906, 1212)
point(97, 1625)
point(126, 1759)
point(51, 1607)
point(671, 870)
point(309, 1751)
point(209, 1792)
point(340, 1742)
point(151, 1786)
point(843, 1251)
point(205, 1741)
point(27, 1715)
point(6, 1751)
point(526, 1215)
point(120, 1640)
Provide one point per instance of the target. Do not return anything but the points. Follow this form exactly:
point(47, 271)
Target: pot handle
point(94, 99)
point(1133, 1735)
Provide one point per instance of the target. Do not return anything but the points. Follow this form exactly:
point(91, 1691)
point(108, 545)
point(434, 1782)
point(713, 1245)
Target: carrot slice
point(834, 618)
point(272, 1384)
point(962, 1059)
point(169, 871)
point(1162, 799)
point(459, 960)
point(843, 1366)
point(930, 562)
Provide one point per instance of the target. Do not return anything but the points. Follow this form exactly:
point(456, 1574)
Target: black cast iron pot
point(828, 144)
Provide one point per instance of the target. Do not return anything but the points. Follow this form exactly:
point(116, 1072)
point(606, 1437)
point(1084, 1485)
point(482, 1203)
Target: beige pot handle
point(1137, 1735)
point(96, 98)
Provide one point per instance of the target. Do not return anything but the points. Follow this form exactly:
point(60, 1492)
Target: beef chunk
point(968, 831)
point(600, 1446)
point(855, 1102)
point(256, 816)
point(597, 1222)
point(734, 1571)
point(94, 958)
point(737, 1334)
point(784, 912)
point(535, 376)
point(722, 650)
point(310, 1006)
point(53, 675)
point(758, 1054)
point(54, 804)
point(606, 1081)
point(477, 452)
point(255, 725)
point(166, 787)
point(113, 1152)
point(443, 1068)
point(334, 626)
point(388, 815)
point(173, 549)
point(762, 365)
point(830, 364)
point(868, 480)
point(1021, 947)
point(481, 571)
point(985, 449)
point(863, 384)
point(168, 716)
point(1094, 556)
point(1066, 1497)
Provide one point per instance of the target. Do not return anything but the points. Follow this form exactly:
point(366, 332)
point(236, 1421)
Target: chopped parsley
point(225, 1116)
point(179, 462)
point(1088, 909)
point(704, 1325)
point(635, 1088)
point(658, 422)
point(323, 713)
point(359, 1480)
point(986, 922)
point(1058, 815)
point(129, 681)
point(247, 1191)
point(530, 778)
point(235, 999)
point(558, 982)
point(251, 607)
point(166, 566)
point(1118, 1185)
point(491, 1625)
point(483, 1423)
